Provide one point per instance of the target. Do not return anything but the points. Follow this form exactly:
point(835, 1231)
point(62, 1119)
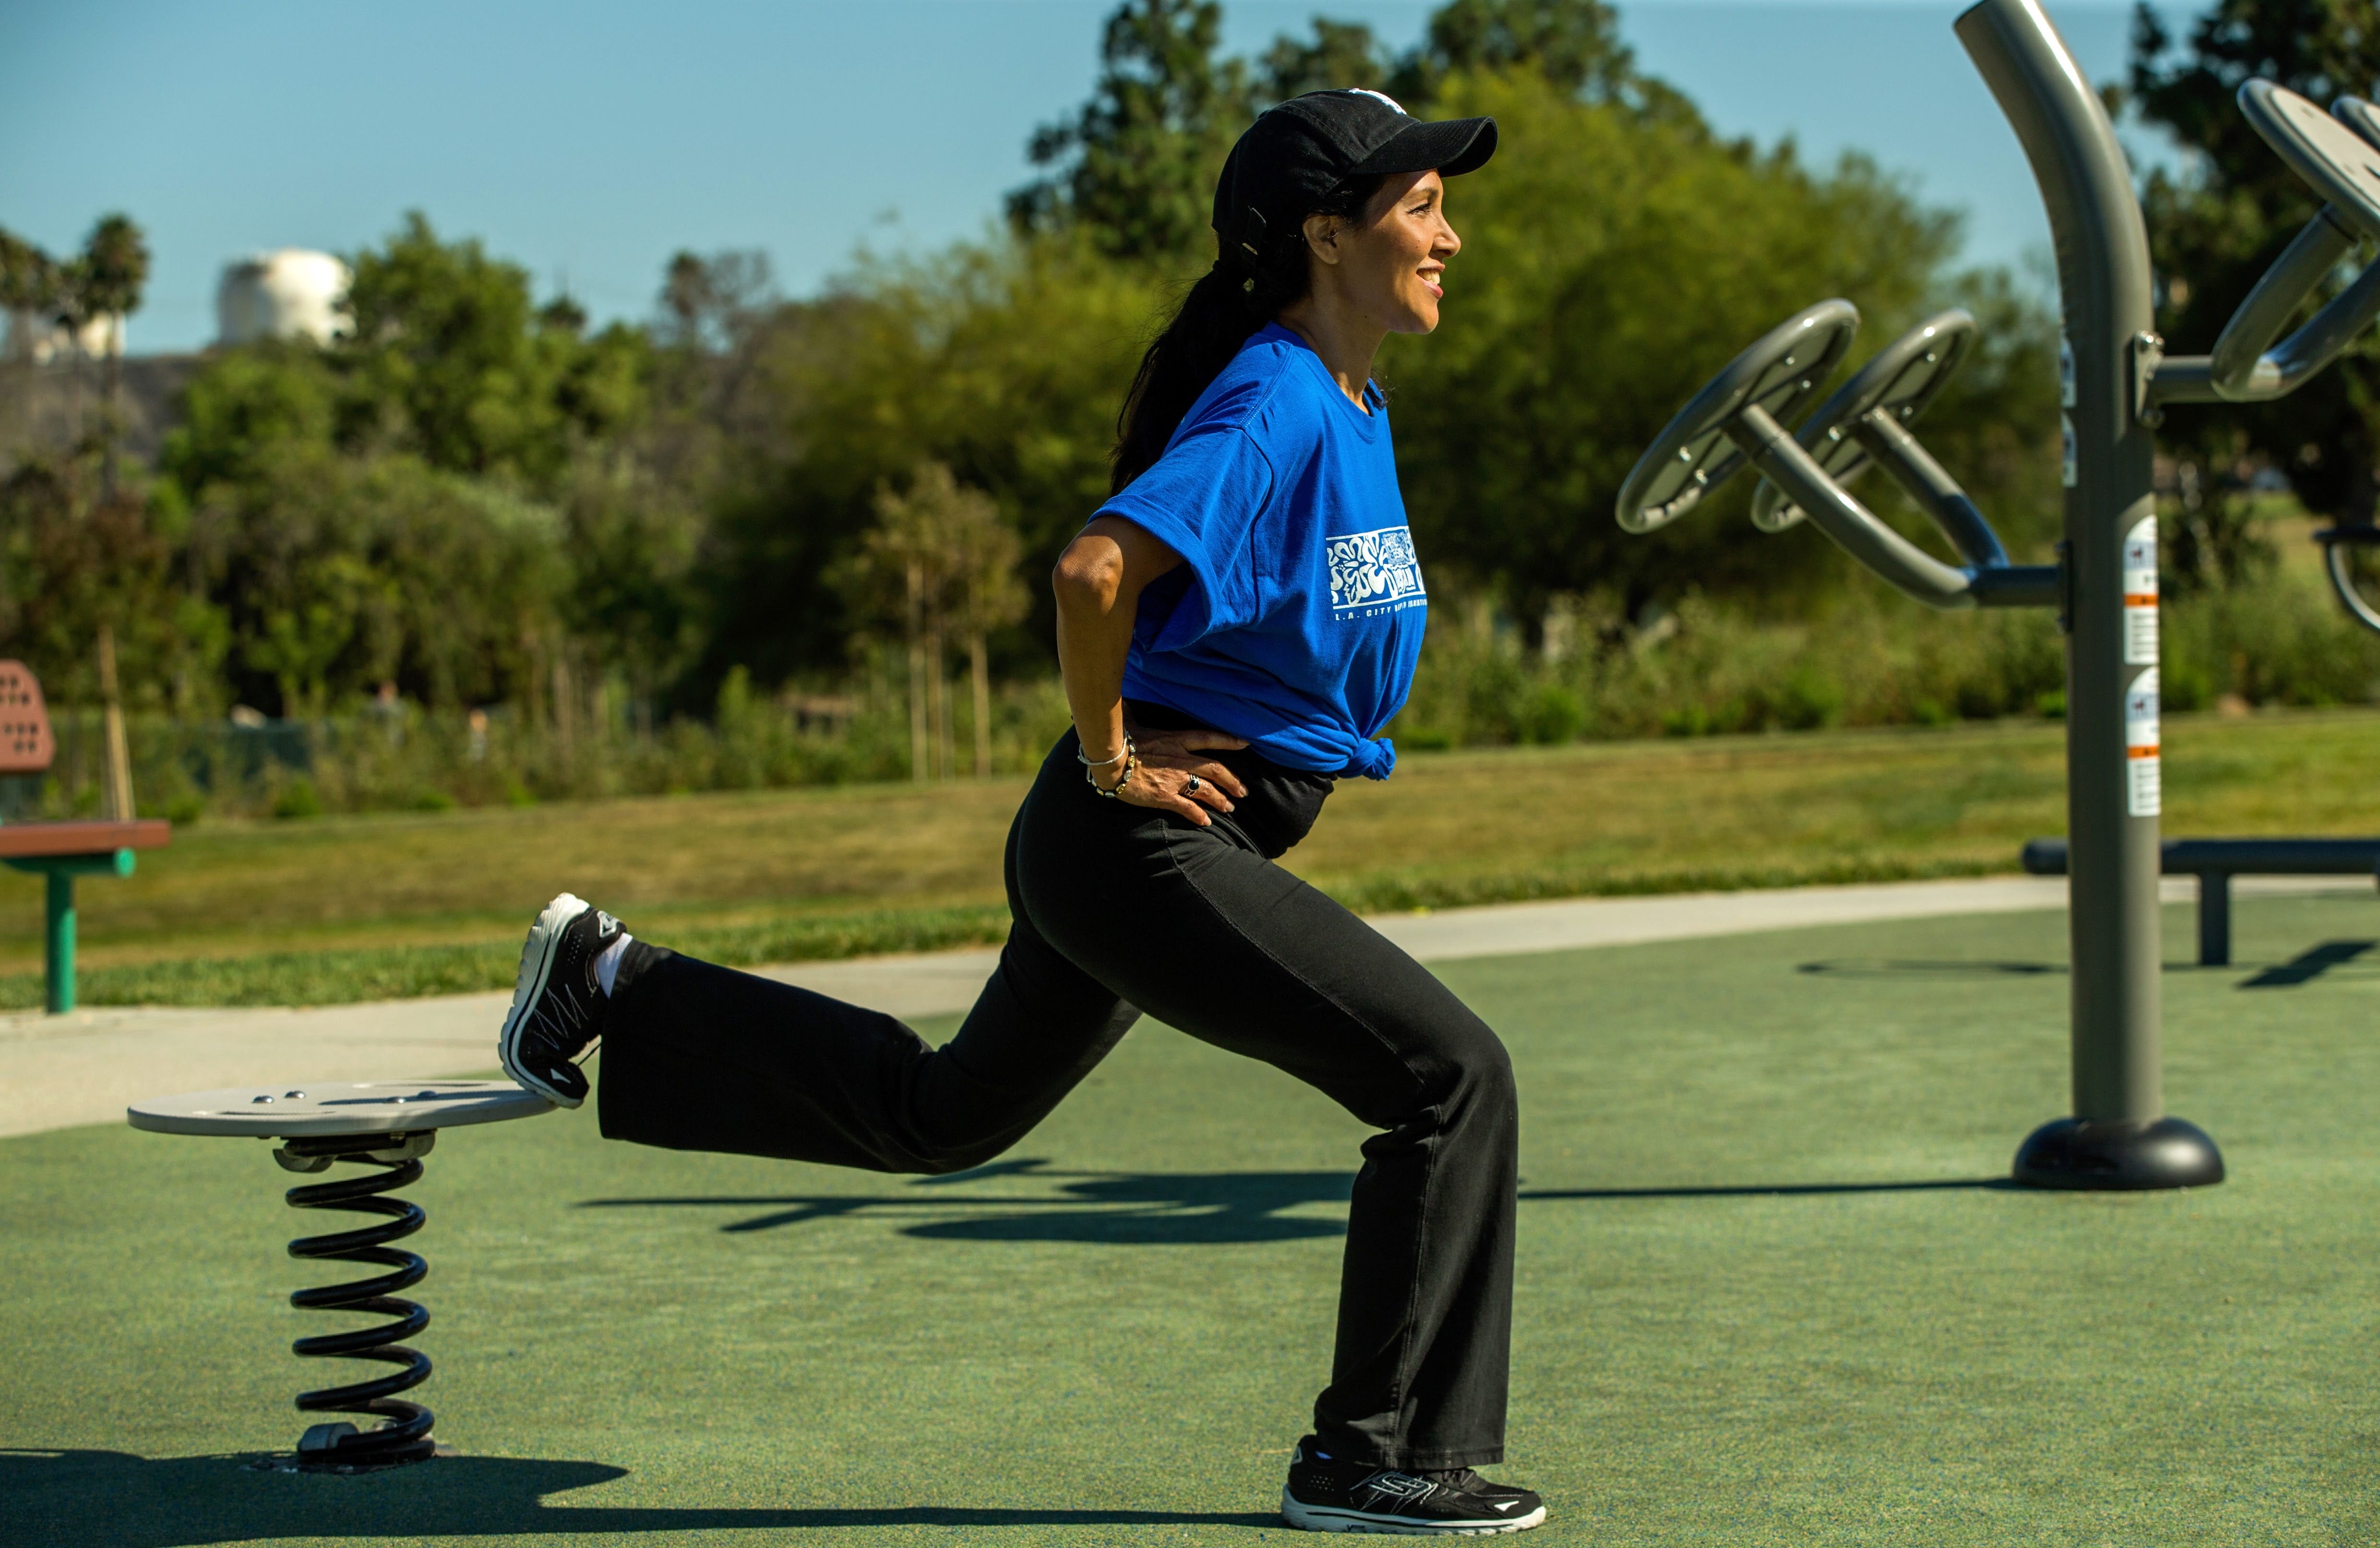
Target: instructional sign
point(2066, 403)
point(2144, 784)
point(2141, 594)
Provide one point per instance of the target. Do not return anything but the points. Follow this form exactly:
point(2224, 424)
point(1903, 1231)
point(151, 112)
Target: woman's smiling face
point(1390, 266)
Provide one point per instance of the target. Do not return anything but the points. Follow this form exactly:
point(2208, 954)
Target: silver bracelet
point(1102, 763)
point(1130, 766)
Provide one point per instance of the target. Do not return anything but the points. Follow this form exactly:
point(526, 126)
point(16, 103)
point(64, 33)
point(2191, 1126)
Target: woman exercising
point(1234, 625)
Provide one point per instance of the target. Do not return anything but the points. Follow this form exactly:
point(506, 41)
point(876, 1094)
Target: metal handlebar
point(2246, 366)
point(2333, 156)
point(1983, 582)
point(1740, 408)
point(1866, 421)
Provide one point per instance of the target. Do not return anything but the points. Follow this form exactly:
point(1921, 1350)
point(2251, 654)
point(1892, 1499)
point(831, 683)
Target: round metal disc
point(1905, 376)
point(338, 1107)
point(2342, 165)
point(1693, 456)
point(2359, 116)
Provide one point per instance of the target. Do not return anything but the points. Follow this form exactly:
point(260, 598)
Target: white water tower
point(292, 293)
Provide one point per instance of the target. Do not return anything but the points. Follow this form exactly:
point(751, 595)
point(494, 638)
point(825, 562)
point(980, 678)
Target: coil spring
point(404, 1433)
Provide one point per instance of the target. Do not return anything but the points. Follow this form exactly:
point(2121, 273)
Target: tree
point(941, 561)
point(1135, 166)
point(337, 573)
point(902, 568)
point(715, 304)
point(987, 593)
point(102, 284)
point(393, 506)
point(631, 540)
point(2214, 229)
point(1574, 44)
point(244, 406)
point(1004, 361)
point(450, 359)
point(73, 561)
point(30, 284)
point(1340, 54)
point(108, 280)
point(1614, 260)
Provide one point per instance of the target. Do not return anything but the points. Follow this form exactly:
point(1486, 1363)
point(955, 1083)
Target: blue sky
point(591, 141)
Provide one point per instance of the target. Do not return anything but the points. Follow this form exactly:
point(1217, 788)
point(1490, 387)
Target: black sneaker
point(1325, 1495)
point(557, 1010)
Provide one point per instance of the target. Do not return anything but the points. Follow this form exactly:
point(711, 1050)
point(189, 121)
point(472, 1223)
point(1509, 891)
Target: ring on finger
point(1190, 786)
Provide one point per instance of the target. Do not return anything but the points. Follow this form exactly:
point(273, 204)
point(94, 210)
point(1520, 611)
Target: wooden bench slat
point(33, 840)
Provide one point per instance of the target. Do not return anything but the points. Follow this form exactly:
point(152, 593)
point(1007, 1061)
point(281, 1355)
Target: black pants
point(1121, 910)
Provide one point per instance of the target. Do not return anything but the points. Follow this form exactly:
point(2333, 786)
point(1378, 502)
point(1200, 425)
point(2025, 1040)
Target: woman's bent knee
point(1485, 1081)
point(1463, 1075)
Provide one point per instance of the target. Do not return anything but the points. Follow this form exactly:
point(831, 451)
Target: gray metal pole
point(2118, 1136)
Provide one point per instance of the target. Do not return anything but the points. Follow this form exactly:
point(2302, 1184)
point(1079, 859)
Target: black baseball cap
point(1293, 155)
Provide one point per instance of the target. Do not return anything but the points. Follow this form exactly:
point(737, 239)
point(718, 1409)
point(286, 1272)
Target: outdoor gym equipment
point(2114, 375)
point(390, 1125)
point(2339, 543)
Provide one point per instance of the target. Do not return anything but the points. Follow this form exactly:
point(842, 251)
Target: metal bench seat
point(2216, 860)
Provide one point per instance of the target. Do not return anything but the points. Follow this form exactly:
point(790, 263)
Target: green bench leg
point(58, 950)
point(59, 935)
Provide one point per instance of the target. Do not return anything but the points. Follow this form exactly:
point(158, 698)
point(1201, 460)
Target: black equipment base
point(2113, 1156)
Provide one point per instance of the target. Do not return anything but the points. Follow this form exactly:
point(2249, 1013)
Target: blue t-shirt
point(1296, 617)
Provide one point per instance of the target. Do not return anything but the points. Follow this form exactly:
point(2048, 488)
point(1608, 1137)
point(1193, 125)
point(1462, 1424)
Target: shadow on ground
point(110, 1499)
point(2304, 968)
point(1882, 966)
point(2309, 965)
point(1127, 1208)
point(1179, 1207)
point(1772, 1190)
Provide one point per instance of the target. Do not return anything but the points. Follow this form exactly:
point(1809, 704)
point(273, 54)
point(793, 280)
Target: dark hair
point(1239, 295)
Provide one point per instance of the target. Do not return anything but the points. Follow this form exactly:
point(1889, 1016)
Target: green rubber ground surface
point(1769, 1290)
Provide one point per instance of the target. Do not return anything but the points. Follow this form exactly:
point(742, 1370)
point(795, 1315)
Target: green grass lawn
point(1769, 1290)
point(331, 909)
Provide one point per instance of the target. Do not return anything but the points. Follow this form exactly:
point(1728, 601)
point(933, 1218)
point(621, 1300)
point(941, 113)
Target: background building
point(291, 292)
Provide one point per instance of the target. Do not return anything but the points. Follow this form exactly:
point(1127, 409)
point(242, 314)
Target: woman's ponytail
point(1240, 294)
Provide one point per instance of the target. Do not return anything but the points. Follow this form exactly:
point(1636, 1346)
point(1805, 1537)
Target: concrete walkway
point(83, 1068)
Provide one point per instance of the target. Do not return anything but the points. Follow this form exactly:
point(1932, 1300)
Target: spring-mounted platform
point(404, 1433)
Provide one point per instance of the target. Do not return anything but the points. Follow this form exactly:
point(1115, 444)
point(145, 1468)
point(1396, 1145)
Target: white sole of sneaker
point(1338, 1518)
point(537, 965)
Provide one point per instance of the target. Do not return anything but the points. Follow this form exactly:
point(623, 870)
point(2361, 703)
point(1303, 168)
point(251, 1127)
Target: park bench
point(2216, 860)
point(59, 852)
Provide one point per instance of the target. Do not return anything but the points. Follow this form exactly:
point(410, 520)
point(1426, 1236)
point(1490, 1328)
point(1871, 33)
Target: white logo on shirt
point(1371, 571)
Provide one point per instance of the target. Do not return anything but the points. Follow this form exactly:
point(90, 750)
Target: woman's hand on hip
point(1171, 772)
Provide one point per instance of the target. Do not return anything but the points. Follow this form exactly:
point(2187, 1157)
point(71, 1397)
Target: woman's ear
point(1322, 237)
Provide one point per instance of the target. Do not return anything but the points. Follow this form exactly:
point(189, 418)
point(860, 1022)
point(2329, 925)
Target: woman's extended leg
point(700, 1057)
